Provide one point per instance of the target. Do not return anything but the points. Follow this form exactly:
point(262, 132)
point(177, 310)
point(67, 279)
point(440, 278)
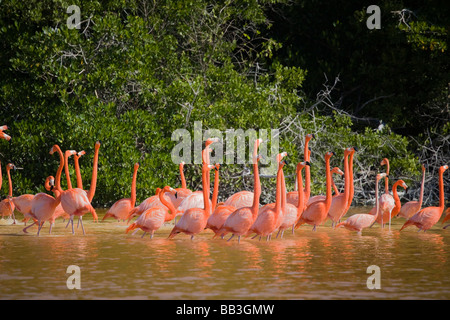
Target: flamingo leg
point(239, 239)
point(80, 220)
point(50, 231)
point(279, 230)
point(25, 229)
point(40, 227)
point(231, 237)
point(144, 234)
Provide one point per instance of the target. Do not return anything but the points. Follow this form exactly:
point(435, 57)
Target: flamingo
point(195, 199)
point(239, 221)
point(153, 218)
point(268, 220)
point(387, 202)
point(339, 202)
point(75, 202)
point(360, 221)
point(398, 204)
point(427, 217)
point(7, 205)
point(292, 216)
point(316, 213)
point(194, 220)
point(412, 207)
point(292, 197)
point(220, 212)
point(43, 206)
point(121, 208)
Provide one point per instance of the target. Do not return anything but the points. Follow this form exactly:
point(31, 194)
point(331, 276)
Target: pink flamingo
point(290, 216)
point(268, 220)
point(398, 204)
point(292, 197)
point(195, 199)
point(241, 219)
point(339, 202)
point(316, 213)
point(387, 202)
point(220, 212)
point(194, 220)
point(121, 208)
point(360, 221)
point(7, 205)
point(427, 217)
point(153, 218)
point(75, 202)
point(412, 207)
point(43, 206)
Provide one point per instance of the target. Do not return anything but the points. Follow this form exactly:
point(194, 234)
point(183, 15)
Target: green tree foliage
point(136, 71)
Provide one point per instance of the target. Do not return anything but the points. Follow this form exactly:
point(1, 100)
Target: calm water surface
point(327, 264)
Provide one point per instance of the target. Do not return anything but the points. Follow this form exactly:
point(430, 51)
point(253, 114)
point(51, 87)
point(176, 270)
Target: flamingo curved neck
point(422, 187)
point(215, 190)
point(133, 186)
point(301, 201)
point(441, 190)
point(9, 181)
point(329, 195)
point(168, 204)
point(183, 180)
point(93, 186)
point(77, 171)
point(66, 170)
point(60, 169)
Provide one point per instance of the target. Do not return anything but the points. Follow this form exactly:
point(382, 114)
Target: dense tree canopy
point(135, 71)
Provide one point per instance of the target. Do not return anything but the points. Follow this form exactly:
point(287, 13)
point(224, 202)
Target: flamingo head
point(337, 171)
point(210, 141)
point(329, 154)
point(4, 136)
point(443, 168)
point(380, 176)
point(384, 162)
point(217, 166)
point(97, 144)
point(49, 183)
point(81, 153)
point(309, 136)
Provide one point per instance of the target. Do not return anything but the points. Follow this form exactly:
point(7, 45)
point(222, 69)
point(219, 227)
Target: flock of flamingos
point(240, 215)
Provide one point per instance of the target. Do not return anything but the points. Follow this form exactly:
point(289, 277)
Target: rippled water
point(327, 264)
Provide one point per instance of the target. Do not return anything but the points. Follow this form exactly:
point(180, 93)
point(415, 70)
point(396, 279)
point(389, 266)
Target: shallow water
point(326, 264)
